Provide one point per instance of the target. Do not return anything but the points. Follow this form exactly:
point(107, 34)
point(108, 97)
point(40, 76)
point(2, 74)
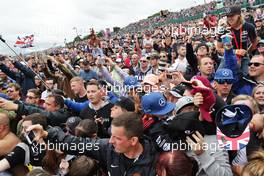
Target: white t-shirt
point(180, 65)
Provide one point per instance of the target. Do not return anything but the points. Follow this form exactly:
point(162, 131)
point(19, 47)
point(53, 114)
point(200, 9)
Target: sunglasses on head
point(256, 64)
point(223, 81)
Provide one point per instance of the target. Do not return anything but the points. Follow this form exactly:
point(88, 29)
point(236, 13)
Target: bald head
point(4, 120)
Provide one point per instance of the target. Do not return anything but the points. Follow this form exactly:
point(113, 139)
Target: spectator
point(122, 154)
point(14, 91)
point(50, 83)
point(176, 163)
point(242, 32)
point(122, 106)
point(8, 140)
point(180, 63)
point(258, 95)
point(254, 166)
point(77, 86)
point(98, 109)
point(87, 74)
point(33, 97)
point(223, 81)
point(86, 128)
point(24, 152)
point(53, 109)
point(25, 78)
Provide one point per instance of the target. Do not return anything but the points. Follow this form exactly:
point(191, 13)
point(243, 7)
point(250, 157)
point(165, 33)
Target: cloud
point(53, 20)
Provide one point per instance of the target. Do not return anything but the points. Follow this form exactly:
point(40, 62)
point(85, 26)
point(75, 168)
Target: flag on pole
point(25, 42)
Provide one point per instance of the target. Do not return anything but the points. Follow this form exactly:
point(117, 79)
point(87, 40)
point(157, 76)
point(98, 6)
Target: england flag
point(25, 42)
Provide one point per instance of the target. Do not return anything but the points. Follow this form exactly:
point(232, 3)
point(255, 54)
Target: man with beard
point(87, 73)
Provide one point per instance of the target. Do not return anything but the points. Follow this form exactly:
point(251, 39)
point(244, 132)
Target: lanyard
point(240, 36)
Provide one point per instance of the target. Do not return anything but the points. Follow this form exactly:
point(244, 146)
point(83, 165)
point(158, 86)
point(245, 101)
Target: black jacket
point(56, 118)
point(104, 152)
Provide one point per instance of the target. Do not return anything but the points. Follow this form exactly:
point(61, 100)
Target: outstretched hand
point(39, 132)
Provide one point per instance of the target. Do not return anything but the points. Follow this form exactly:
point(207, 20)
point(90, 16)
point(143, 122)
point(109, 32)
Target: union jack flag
point(233, 143)
point(25, 42)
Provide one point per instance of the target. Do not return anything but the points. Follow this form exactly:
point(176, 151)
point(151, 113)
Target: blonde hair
point(77, 79)
point(256, 88)
point(246, 97)
point(255, 165)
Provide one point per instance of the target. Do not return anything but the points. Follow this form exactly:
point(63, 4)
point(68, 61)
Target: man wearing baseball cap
point(260, 47)
point(223, 81)
point(259, 27)
point(156, 109)
point(244, 37)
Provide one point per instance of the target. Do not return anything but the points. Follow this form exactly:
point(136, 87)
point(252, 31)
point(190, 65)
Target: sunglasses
point(163, 56)
point(29, 97)
point(10, 91)
point(223, 81)
point(256, 64)
point(144, 61)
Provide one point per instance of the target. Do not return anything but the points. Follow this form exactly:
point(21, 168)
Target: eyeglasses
point(223, 81)
point(256, 64)
point(29, 97)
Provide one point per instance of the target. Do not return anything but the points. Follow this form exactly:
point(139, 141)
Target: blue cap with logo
point(223, 73)
point(131, 82)
point(155, 103)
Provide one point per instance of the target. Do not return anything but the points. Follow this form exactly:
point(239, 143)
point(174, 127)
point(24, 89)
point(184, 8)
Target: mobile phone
point(30, 136)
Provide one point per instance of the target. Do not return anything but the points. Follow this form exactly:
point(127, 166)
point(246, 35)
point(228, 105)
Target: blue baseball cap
point(223, 73)
point(131, 82)
point(232, 120)
point(232, 123)
point(155, 103)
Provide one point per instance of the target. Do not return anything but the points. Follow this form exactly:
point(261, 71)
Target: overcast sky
point(51, 21)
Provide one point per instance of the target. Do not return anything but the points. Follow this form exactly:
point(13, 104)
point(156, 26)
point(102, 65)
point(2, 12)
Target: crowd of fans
point(163, 102)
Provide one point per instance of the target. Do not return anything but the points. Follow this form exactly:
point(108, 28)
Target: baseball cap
point(232, 126)
point(258, 20)
point(204, 80)
point(183, 102)
point(184, 124)
point(177, 91)
point(202, 44)
point(126, 103)
point(151, 79)
point(223, 73)
point(209, 98)
point(77, 66)
point(118, 60)
point(131, 82)
point(233, 10)
point(72, 123)
point(155, 103)
point(260, 42)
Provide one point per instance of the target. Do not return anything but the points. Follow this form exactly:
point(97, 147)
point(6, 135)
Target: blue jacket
point(79, 106)
point(88, 75)
point(242, 84)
